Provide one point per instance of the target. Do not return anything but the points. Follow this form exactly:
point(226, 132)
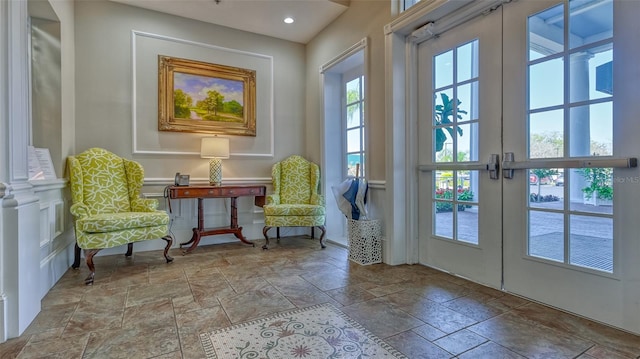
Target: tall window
point(406, 4)
point(354, 124)
point(570, 114)
point(344, 136)
point(455, 133)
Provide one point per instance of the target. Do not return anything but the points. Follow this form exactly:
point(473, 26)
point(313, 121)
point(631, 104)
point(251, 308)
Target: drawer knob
point(186, 192)
point(231, 191)
point(210, 191)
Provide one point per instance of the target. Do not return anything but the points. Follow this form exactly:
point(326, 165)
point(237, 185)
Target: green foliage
point(464, 194)
point(181, 104)
point(446, 155)
point(214, 102)
point(538, 198)
point(441, 117)
point(600, 182)
point(233, 107)
point(542, 173)
point(214, 108)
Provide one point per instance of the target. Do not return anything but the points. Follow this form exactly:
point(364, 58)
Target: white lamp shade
point(214, 147)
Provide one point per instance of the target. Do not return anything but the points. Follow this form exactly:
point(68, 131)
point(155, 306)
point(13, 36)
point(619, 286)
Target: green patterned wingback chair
point(107, 207)
point(295, 201)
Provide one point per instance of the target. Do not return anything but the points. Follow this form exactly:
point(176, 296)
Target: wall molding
point(135, 33)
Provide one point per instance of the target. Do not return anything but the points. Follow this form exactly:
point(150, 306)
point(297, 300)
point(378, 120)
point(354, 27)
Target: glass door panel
point(457, 112)
point(561, 228)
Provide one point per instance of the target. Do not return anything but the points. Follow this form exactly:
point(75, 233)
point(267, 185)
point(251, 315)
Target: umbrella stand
point(364, 234)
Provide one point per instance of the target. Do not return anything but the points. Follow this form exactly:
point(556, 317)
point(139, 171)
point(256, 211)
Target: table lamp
point(215, 148)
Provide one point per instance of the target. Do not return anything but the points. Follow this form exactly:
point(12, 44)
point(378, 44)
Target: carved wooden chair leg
point(76, 257)
point(169, 240)
point(322, 237)
point(266, 237)
point(89, 253)
point(129, 250)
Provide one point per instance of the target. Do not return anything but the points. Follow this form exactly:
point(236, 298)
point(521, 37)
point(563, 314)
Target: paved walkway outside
point(590, 242)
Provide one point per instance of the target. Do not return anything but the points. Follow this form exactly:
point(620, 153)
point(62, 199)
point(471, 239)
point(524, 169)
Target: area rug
point(319, 331)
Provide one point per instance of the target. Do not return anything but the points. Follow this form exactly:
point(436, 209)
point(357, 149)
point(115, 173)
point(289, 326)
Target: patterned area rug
point(319, 331)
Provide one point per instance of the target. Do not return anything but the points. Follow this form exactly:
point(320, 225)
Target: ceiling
point(257, 16)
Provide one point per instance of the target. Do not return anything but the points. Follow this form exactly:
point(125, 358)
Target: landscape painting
point(195, 96)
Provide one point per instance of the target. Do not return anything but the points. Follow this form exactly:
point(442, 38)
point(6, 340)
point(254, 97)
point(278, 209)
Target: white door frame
point(334, 173)
point(401, 38)
point(400, 76)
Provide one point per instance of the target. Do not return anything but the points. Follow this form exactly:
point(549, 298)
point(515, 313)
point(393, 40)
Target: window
point(406, 4)
point(354, 124)
point(455, 139)
point(344, 141)
point(570, 115)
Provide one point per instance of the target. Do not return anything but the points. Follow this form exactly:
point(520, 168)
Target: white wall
point(104, 99)
point(104, 88)
point(363, 19)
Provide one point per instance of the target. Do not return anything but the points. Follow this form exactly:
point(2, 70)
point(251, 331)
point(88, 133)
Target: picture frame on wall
point(195, 96)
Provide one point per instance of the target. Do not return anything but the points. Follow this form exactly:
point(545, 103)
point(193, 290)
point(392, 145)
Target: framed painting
point(196, 96)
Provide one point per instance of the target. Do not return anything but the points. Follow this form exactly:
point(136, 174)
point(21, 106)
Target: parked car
point(560, 181)
point(533, 179)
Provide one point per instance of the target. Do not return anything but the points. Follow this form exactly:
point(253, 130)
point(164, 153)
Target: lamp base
point(215, 172)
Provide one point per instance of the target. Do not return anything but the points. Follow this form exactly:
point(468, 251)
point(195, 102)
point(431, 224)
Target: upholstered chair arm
point(75, 179)
point(144, 205)
point(317, 199)
point(79, 210)
point(275, 178)
point(273, 199)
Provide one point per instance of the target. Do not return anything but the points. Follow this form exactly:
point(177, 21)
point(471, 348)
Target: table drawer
point(194, 192)
point(214, 192)
point(243, 191)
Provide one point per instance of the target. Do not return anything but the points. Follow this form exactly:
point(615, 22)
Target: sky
point(197, 87)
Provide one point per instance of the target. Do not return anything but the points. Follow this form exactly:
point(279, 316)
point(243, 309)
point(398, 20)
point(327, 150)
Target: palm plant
point(441, 117)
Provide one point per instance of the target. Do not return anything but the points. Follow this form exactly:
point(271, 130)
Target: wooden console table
point(232, 192)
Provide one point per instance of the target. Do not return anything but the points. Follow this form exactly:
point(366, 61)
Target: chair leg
point(169, 240)
point(278, 234)
point(266, 237)
point(129, 250)
point(76, 258)
point(322, 237)
point(89, 253)
point(313, 232)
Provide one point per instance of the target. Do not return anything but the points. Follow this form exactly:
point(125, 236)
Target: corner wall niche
point(46, 89)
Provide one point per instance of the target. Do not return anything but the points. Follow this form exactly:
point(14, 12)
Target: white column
point(20, 232)
point(579, 120)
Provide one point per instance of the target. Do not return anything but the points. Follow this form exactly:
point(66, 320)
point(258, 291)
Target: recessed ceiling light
point(288, 20)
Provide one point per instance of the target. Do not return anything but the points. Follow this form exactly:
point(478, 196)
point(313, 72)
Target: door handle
point(509, 164)
point(493, 166)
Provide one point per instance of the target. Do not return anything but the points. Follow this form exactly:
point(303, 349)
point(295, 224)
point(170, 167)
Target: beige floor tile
point(67, 347)
point(439, 316)
point(490, 350)
point(254, 304)
point(460, 341)
point(381, 318)
point(529, 339)
point(142, 307)
point(416, 347)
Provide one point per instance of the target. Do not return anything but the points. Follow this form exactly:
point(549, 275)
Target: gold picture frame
point(195, 96)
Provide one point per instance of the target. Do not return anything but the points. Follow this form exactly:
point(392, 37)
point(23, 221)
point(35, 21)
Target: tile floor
point(144, 308)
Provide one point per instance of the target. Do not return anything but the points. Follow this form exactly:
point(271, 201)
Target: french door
point(541, 86)
point(459, 113)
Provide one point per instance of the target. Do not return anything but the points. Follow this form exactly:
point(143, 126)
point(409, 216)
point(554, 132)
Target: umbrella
point(338, 190)
point(351, 196)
